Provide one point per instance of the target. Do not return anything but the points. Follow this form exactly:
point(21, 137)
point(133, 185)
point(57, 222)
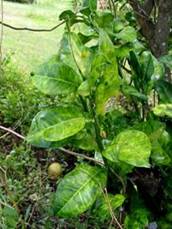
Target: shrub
point(108, 111)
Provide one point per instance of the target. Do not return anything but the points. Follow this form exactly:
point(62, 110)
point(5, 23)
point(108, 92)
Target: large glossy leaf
point(56, 124)
point(78, 190)
point(57, 78)
point(132, 147)
point(108, 87)
point(163, 110)
point(103, 204)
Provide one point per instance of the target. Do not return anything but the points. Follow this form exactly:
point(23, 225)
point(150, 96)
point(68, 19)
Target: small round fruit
point(54, 170)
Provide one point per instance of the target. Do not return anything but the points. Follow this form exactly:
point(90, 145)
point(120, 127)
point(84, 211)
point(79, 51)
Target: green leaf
point(57, 79)
point(132, 147)
point(97, 69)
point(91, 4)
point(109, 86)
point(118, 25)
point(135, 64)
point(123, 50)
point(163, 110)
point(78, 190)
point(105, 21)
point(10, 216)
point(84, 89)
point(167, 60)
point(147, 66)
point(65, 54)
point(159, 156)
point(106, 46)
point(74, 54)
point(102, 210)
point(56, 124)
point(81, 53)
point(67, 15)
point(128, 34)
point(132, 91)
point(164, 90)
point(159, 139)
point(139, 216)
point(86, 138)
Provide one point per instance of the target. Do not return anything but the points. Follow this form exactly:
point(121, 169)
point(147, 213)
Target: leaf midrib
point(59, 80)
point(82, 187)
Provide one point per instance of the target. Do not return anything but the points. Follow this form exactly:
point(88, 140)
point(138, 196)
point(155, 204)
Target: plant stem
point(96, 124)
point(61, 148)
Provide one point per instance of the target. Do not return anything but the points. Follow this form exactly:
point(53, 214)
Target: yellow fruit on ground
point(54, 170)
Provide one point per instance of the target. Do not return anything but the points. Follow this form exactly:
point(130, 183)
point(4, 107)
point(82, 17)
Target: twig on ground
point(12, 132)
point(61, 148)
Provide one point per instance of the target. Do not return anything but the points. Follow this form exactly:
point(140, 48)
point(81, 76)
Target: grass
point(30, 49)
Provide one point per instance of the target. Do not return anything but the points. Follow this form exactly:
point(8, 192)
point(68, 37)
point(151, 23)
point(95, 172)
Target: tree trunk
point(156, 32)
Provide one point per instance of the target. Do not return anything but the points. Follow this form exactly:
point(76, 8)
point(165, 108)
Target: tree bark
point(156, 32)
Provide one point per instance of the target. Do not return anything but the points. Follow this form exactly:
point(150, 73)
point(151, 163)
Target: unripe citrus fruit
point(54, 170)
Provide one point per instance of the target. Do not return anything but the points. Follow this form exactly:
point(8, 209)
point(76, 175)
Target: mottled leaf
point(105, 202)
point(106, 46)
point(108, 87)
point(56, 124)
point(57, 79)
point(78, 190)
point(163, 110)
point(132, 147)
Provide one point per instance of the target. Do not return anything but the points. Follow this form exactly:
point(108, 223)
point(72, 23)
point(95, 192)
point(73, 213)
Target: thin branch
point(105, 194)
point(12, 132)
point(31, 29)
point(61, 148)
point(81, 155)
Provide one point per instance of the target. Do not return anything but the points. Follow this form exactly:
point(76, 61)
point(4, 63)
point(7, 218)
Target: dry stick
point(110, 208)
point(61, 148)
point(12, 132)
point(31, 29)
